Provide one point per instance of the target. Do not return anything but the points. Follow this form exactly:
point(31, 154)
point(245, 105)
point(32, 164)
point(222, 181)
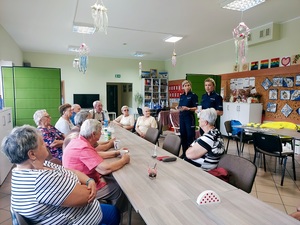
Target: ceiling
point(134, 25)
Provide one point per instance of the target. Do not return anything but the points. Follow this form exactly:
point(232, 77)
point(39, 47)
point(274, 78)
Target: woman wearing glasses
point(53, 138)
point(125, 120)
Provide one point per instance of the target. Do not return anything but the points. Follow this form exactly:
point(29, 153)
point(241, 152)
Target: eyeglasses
point(125, 110)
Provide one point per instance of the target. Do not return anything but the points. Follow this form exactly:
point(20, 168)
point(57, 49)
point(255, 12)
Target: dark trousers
point(187, 131)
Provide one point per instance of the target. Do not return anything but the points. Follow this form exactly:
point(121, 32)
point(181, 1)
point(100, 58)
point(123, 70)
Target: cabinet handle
point(9, 118)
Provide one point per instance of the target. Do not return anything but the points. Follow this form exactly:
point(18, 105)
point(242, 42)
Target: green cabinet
point(27, 89)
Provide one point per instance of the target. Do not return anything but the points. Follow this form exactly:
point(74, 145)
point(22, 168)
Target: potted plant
point(138, 98)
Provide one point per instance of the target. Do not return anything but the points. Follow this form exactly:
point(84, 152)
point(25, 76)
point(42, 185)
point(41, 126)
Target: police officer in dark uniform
point(211, 99)
point(187, 105)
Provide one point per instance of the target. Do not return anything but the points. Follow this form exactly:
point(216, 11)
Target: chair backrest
point(267, 143)
point(152, 135)
point(159, 127)
point(228, 127)
point(140, 111)
point(172, 144)
point(241, 171)
point(18, 219)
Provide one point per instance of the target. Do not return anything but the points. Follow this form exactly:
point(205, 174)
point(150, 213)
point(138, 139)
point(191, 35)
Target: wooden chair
point(268, 144)
point(241, 171)
point(172, 144)
point(152, 135)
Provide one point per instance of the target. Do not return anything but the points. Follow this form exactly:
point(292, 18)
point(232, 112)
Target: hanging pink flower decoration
point(240, 35)
point(174, 58)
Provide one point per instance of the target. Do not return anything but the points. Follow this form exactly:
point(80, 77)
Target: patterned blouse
point(49, 135)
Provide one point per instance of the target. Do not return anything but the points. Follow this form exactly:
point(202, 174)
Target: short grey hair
point(38, 115)
point(96, 102)
point(89, 127)
point(210, 115)
point(20, 140)
point(80, 117)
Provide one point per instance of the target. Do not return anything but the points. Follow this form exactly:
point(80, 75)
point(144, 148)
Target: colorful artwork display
point(286, 110)
point(271, 107)
point(266, 84)
point(254, 65)
point(275, 62)
point(288, 82)
point(264, 64)
point(273, 94)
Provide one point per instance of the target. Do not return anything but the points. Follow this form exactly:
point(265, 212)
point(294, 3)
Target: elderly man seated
point(99, 113)
point(80, 155)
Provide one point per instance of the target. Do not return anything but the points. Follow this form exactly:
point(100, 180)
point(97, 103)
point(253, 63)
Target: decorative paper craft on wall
point(271, 107)
point(288, 82)
point(286, 110)
point(295, 59)
point(264, 64)
point(298, 111)
point(266, 84)
point(277, 81)
point(245, 66)
point(275, 62)
point(285, 95)
point(297, 83)
point(285, 61)
point(254, 65)
point(273, 94)
point(295, 95)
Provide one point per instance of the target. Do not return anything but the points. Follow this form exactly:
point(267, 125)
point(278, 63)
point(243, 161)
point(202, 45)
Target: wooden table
point(171, 197)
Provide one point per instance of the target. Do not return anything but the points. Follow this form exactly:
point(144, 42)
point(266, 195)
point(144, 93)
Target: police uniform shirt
point(214, 100)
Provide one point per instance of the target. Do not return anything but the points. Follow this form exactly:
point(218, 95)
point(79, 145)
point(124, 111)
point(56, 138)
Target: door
point(112, 98)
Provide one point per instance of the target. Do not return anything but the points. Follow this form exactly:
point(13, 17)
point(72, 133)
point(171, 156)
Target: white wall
point(99, 72)
point(220, 58)
point(9, 50)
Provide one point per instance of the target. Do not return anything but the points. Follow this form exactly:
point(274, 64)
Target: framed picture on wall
point(124, 87)
point(271, 107)
point(297, 82)
point(288, 82)
point(285, 95)
point(266, 84)
point(277, 81)
point(295, 95)
point(273, 94)
point(286, 110)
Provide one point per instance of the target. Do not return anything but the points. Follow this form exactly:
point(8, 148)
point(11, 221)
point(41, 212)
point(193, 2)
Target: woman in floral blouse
point(52, 137)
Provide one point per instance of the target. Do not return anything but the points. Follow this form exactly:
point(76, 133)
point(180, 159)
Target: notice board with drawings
point(279, 90)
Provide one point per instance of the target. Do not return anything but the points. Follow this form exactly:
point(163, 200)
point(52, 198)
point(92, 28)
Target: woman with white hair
point(144, 122)
point(125, 120)
point(52, 137)
point(206, 151)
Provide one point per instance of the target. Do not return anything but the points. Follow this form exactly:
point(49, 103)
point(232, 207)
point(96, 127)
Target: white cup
point(116, 144)
point(199, 108)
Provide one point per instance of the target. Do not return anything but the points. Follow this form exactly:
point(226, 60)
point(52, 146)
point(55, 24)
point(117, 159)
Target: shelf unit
point(155, 92)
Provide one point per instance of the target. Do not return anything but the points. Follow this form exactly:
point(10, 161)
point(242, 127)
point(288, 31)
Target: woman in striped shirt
point(46, 193)
point(207, 150)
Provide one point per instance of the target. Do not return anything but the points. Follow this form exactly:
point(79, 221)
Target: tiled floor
point(266, 187)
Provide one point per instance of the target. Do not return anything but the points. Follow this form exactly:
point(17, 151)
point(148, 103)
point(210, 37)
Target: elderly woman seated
point(125, 120)
point(207, 150)
point(52, 137)
point(144, 122)
point(46, 193)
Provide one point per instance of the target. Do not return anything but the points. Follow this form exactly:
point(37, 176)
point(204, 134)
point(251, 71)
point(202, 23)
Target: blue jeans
point(110, 215)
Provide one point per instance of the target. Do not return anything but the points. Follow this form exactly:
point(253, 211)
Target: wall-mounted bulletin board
point(279, 89)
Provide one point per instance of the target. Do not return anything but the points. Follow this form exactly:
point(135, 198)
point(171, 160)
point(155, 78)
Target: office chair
point(152, 135)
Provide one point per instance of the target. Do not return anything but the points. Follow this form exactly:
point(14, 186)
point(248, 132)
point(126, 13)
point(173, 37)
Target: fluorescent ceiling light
point(84, 28)
point(239, 5)
point(139, 54)
point(173, 39)
point(72, 48)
